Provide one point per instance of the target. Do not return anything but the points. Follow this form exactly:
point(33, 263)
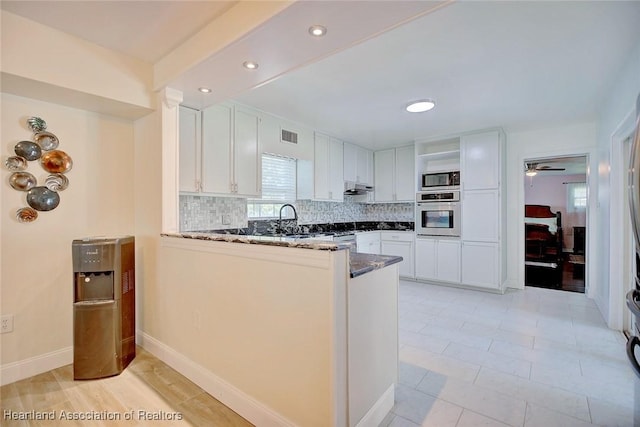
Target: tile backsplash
point(211, 213)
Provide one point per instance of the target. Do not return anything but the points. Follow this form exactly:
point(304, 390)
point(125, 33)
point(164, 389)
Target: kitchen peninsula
point(284, 331)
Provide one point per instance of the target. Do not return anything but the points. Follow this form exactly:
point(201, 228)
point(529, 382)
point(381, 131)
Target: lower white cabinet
point(438, 259)
point(481, 264)
point(399, 244)
point(368, 242)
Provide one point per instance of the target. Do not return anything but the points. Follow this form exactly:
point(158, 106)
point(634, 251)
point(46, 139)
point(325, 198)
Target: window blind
point(278, 178)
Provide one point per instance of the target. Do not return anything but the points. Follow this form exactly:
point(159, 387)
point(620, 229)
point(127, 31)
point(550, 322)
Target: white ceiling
point(144, 29)
point(517, 65)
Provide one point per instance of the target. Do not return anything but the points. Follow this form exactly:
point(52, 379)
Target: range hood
point(353, 189)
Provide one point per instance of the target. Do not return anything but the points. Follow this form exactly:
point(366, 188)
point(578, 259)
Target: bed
point(543, 246)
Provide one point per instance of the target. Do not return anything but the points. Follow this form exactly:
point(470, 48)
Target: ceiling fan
point(532, 168)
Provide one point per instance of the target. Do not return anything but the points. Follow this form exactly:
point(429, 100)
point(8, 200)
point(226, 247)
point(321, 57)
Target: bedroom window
point(577, 193)
point(278, 187)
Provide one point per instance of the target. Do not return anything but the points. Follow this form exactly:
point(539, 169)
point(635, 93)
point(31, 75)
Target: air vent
point(288, 136)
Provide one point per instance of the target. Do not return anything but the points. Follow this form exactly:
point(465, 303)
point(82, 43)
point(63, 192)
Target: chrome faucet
point(295, 215)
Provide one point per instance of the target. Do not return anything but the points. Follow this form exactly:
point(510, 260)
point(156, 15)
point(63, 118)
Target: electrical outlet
point(7, 324)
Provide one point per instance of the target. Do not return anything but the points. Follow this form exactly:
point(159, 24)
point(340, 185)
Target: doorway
point(556, 201)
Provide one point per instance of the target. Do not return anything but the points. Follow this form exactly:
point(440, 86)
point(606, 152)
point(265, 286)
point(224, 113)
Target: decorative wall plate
point(36, 124)
point(42, 199)
point(56, 182)
point(22, 181)
point(28, 149)
point(16, 163)
point(46, 140)
point(26, 215)
point(56, 161)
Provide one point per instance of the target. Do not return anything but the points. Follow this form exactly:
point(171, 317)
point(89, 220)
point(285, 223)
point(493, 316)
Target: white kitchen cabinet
point(399, 244)
point(394, 175)
point(247, 156)
point(229, 154)
point(405, 166)
point(328, 168)
point(438, 259)
point(480, 160)
point(481, 215)
point(368, 242)
point(190, 150)
point(481, 265)
point(358, 164)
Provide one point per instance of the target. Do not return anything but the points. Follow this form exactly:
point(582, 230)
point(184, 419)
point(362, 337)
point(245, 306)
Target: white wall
point(578, 138)
point(617, 113)
point(36, 271)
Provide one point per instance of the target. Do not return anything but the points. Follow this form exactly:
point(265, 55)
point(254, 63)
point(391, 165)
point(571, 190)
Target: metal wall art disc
point(22, 181)
point(26, 215)
point(56, 161)
point(56, 182)
point(28, 149)
point(46, 140)
point(16, 163)
point(42, 199)
point(36, 124)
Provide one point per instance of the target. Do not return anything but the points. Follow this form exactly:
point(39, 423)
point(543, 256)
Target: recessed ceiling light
point(317, 30)
point(421, 106)
point(204, 89)
point(250, 65)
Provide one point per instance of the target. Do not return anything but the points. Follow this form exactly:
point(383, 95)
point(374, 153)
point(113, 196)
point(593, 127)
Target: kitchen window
point(278, 187)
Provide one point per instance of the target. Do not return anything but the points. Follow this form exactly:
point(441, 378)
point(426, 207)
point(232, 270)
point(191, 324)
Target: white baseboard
point(16, 371)
point(379, 410)
point(249, 408)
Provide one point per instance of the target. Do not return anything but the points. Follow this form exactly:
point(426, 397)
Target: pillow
point(550, 222)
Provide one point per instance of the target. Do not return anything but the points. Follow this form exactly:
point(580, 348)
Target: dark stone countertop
point(359, 263)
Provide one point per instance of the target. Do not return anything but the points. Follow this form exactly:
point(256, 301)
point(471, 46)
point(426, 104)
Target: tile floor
point(529, 358)
point(538, 357)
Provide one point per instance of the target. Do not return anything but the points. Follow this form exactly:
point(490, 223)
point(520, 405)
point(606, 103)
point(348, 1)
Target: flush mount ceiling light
point(250, 65)
point(317, 30)
point(204, 89)
point(421, 106)
point(531, 173)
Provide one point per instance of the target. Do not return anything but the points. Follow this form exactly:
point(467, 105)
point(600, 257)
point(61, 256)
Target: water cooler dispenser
point(104, 306)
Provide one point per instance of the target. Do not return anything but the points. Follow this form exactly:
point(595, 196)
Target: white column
point(170, 99)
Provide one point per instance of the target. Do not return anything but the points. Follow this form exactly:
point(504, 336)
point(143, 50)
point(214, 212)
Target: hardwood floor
point(148, 392)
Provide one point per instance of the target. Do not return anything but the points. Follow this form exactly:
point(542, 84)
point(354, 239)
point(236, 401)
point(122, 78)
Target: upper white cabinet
point(328, 168)
point(358, 164)
point(190, 150)
point(394, 175)
point(220, 151)
point(480, 160)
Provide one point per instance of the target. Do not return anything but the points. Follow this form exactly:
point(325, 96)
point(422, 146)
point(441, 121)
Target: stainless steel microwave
point(431, 181)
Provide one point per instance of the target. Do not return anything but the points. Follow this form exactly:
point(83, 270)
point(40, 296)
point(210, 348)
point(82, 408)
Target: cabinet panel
point(189, 145)
point(328, 164)
point(350, 166)
point(217, 127)
point(448, 260)
point(481, 216)
point(404, 172)
point(425, 258)
point(369, 242)
point(400, 244)
point(480, 160)
point(247, 160)
point(480, 264)
point(384, 169)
